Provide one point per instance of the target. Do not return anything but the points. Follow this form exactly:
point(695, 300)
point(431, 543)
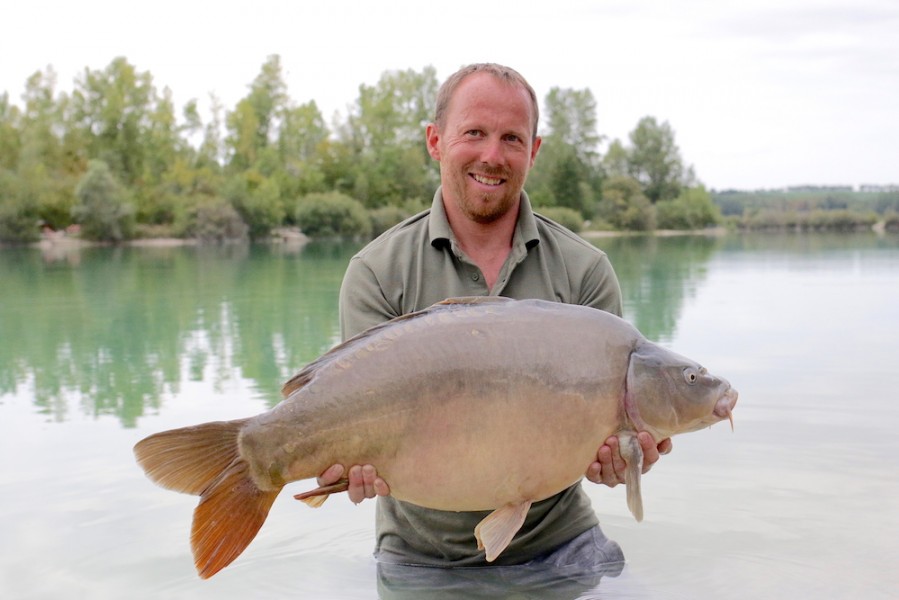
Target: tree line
point(115, 158)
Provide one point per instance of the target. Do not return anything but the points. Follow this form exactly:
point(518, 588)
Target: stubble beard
point(487, 207)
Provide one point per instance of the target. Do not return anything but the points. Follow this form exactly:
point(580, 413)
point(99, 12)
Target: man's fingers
point(594, 472)
point(381, 487)
point(665, 446)
point(331, 475)
point(612, 466)
point(356, 487)
point(369, 474)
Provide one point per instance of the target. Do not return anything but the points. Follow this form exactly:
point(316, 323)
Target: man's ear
point(432, 139)
point(534, 148)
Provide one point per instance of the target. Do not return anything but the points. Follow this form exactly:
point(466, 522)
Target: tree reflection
point(657, 274)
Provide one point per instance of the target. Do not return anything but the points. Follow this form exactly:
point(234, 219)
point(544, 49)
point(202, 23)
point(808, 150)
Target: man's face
point(485, 146)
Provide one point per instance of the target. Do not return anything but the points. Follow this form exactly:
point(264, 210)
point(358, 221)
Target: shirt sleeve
point(600, 288)
point(362, 302)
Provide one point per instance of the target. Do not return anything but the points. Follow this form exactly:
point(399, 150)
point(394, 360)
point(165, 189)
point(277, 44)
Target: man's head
point(484, 137)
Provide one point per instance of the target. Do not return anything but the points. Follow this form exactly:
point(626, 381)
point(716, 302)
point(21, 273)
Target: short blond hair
point(505, 74)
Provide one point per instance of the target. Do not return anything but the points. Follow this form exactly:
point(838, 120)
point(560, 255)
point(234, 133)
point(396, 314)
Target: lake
point(103, 346)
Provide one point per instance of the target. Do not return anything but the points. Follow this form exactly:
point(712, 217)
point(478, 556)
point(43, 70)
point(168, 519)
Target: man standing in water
point(481, 237)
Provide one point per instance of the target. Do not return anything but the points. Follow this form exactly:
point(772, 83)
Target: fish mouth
point(725, 406)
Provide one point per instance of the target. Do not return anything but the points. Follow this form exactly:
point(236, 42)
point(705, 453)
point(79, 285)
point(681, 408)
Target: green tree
point(10, 142)
point(44, 170)
point(654, 159)
point(254, 124)
point(302, 143)
point(567, 171)
point(112, 108)
point(615, 161)
point(103, 209)
point(383, 156)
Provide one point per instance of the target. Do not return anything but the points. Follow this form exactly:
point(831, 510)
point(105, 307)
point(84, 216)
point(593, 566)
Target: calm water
point(101, 347)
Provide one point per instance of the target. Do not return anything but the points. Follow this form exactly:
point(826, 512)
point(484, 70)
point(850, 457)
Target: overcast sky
point(760, 93)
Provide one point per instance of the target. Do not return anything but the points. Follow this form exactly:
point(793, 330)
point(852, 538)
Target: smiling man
point(480, 237)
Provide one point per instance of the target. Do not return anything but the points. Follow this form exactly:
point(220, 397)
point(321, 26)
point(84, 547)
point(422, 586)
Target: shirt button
point(475, 276)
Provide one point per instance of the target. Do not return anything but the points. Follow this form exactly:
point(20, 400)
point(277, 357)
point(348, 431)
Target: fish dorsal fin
point(632, 453)
point(498, 528)
point(308, 372)
point(474, 300)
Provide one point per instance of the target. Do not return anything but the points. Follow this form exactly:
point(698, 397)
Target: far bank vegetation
point(113, 159)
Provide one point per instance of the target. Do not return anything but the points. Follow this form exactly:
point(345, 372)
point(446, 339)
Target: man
point(481, 237)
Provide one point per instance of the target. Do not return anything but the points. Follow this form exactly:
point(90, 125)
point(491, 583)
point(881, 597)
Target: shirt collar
point(442, 235)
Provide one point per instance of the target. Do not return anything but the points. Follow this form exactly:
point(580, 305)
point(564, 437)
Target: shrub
point(566, 217)
point(102, 207)
point(214, 220)
point(624, 206)
point(18, 223)
point(891, 221)
point(692, 209)
point(332, 214)
point(257, 199)
point(384, 218)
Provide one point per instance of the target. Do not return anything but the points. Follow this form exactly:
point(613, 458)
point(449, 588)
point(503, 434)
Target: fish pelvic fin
point(632, 453)
point(496, 530)
point(204, 460)
point(317, 497)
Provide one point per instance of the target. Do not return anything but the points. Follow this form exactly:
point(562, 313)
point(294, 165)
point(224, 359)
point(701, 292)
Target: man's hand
point(363, 481)
point(609, 466)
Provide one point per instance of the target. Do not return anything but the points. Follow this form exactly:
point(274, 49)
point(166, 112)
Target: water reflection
point(400, 582)
point(657, 275)
point(123, 326)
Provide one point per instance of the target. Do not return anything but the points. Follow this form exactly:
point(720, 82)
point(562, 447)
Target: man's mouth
point(486, 180)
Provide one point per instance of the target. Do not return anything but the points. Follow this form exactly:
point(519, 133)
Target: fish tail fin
point(228, 517)
point(204, 460)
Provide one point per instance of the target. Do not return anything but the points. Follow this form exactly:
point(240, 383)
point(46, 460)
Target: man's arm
point(362, 301)
point(362, 305)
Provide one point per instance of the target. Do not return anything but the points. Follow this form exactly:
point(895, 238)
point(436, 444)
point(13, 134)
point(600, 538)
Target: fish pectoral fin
point(317, 497)
point(632, 453)
point(498, 528)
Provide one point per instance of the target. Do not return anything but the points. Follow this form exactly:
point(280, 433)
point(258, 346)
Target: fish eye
point(690, 375)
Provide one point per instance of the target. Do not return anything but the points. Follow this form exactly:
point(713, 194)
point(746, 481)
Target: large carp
point(471, 404)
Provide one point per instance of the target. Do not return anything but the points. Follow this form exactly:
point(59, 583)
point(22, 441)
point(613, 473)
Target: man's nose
point(492, 151)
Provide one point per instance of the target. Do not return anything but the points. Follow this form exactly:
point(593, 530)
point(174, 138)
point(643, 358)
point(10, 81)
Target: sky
point(761, 94)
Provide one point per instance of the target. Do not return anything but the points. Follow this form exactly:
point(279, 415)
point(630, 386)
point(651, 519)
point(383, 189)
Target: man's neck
point(487, 244)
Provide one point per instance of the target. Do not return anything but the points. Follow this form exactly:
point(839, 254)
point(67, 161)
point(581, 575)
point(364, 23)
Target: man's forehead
point(478, 91)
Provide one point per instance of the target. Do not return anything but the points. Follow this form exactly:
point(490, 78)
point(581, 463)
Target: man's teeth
point(487, 180)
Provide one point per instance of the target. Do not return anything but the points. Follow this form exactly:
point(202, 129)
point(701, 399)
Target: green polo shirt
point(419, 262)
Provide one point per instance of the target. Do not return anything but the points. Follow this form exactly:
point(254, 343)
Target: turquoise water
point(101, 347)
